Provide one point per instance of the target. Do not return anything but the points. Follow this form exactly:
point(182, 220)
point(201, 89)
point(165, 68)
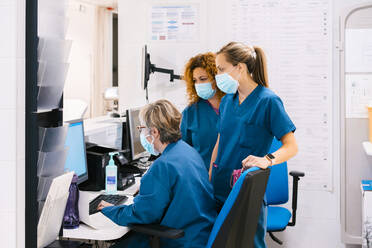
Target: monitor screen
point(135, 141)
point(146, 70)
point(76, 157)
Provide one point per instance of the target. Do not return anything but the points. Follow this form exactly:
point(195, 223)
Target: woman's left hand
point(251, 161)
point(103, 204)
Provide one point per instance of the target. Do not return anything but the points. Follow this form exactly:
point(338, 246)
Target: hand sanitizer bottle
point(111, 176)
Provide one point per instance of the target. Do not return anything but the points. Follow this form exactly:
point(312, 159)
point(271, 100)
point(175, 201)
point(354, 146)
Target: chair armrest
point(296, 177)
point(297, 174)
point(158, 231)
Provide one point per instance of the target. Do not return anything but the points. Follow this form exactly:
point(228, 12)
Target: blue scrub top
point(246, 129)
point(199, 128)
point(175, 192)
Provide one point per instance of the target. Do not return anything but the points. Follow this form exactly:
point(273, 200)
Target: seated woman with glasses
point(175, 191)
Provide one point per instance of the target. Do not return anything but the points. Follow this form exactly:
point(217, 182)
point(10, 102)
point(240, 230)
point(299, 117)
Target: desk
point(86, 232)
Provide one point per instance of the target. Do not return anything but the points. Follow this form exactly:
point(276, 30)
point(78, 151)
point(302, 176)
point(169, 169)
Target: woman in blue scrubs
point(251, 115)
point(175, 191)
point(199, 119)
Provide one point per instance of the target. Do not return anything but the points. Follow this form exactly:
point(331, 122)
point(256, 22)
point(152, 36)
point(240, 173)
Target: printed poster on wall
point(174, 23)
point(358, 95)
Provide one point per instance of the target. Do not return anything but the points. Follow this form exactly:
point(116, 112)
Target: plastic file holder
point(57, 8)
point(41, 67)
point(49, 97)
point(54, 49)
point(51, 163)
point(52, 25)
point(52, 73)
point(43, 187)
point(52, 213)
point(40, 206)
point(52, 139)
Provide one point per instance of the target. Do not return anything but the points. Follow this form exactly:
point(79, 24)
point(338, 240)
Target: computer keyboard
point(113, 199)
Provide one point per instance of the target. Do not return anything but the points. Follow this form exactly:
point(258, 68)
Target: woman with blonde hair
point(199, 119)
point(251, 115)
point(175, 191)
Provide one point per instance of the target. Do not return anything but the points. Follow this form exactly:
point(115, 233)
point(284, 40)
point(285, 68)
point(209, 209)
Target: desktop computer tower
point(97, 159)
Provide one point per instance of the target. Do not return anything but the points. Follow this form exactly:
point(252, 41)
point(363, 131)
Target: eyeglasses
point(140, 128)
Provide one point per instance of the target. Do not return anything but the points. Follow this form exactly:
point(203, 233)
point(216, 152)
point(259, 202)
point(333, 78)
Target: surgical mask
point(147, 145)
point(205, 90)
point(226, 83)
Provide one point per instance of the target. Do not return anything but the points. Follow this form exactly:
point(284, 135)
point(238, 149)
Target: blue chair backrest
point(277, 186)
point(227, 206)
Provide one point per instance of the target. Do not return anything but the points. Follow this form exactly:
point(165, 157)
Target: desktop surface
point(109, 230)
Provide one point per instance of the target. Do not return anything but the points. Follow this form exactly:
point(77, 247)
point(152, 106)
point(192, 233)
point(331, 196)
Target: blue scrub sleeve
point(186, 134)
point(148, 207)
point(280, 123)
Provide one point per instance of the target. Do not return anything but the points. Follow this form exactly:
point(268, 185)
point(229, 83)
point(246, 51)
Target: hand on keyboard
point(103, 204)
point(102, 201)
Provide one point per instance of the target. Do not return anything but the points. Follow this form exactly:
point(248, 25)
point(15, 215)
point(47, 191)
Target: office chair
point(277, 193)
point(236, 224)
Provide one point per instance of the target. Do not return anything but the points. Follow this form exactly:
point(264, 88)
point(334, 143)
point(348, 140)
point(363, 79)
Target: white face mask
point(205, 90)
point(147, 145)
point(226, 83)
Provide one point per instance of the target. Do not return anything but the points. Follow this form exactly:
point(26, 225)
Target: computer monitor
point(76, 157)
point(146, 67)
point(133, 121)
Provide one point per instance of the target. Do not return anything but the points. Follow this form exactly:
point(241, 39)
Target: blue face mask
point(147, 145)
point(205, 90)
point(226, 83)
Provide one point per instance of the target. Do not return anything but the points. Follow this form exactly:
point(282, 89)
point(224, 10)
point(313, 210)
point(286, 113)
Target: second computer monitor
point(136, 147)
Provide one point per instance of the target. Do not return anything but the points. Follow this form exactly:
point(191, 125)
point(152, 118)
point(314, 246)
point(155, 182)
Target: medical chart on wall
point(297, 39)
point(358, 91)
point(174, 23)
point(358, 50)
point(358, 72)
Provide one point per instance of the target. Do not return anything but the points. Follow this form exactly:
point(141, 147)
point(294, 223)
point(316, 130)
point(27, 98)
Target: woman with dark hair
point(251, 115)
point(199, 119)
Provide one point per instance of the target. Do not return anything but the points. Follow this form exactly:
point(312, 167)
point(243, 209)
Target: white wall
point(318, 215)
point(81, 30)
point(12, 114)
point(133, 26)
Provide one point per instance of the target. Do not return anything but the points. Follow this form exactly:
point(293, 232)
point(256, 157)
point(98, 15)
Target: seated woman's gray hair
point(165, 117)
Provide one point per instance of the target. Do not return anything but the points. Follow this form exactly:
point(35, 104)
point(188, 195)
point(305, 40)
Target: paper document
point(54, 207)
point(358, 93)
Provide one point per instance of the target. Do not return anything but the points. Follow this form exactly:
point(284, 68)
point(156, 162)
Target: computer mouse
point(115, 115)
